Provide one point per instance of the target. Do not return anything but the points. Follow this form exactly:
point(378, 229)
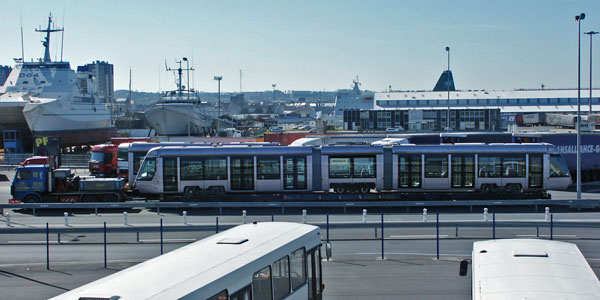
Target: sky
point(317, 45)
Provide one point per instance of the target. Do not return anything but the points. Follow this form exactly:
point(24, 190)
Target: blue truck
point(41, 183)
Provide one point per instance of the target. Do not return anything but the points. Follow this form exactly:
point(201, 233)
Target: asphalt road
point(410, 269)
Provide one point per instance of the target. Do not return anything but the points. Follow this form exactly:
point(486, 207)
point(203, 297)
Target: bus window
point(148, 169)
point(222, 295)
point(243, 294)
point(281, 278)
point(261, 284)
point(297, 268)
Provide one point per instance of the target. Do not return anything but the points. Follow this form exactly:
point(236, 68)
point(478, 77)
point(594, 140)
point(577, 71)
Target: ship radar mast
point(46, 41)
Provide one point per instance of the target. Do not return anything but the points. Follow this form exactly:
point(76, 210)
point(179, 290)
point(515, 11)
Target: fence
point(383, 234)
point(68, 160)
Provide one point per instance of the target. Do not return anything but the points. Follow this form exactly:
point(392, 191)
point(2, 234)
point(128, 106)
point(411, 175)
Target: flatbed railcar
point(490, 169)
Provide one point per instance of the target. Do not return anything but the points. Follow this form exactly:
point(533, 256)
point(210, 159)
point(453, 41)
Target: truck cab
point(30, 183)
point(103, 161)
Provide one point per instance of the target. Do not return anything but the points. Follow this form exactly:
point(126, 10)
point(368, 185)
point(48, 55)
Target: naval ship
point(53, 100)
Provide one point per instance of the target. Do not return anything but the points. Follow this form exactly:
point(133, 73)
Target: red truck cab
point(103, 161)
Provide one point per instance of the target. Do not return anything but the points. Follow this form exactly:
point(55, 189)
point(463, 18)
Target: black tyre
point(31, 199)
point(339, 189)
point(110, 198)
point(88, 198)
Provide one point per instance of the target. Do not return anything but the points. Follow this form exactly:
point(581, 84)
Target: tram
point(445, 168)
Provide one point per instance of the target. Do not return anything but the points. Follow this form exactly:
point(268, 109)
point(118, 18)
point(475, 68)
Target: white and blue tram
point(446, 168)
point(260, 261)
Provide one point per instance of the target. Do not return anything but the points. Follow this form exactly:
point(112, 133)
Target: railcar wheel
point(339, 189)
point(365, 189)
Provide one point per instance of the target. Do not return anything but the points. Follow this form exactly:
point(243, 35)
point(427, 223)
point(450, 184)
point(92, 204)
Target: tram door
point(170, 174)
point(315, 284)
point(294, 173)
point(242, 173)
point(463, 171)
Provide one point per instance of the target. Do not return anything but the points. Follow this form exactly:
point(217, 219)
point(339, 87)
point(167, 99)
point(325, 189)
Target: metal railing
point(487, 227)
point(71, 160)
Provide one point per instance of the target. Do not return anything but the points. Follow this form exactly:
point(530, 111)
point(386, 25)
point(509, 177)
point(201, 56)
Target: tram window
point(490, 166)
point(261, 284)
point(148, 169)
point(364, 167)
point(215, 169)
point(513, 166)
point(243, 294)
point(340, 167)
point(268, 167)
point(191, 168)
point(436, 166)
point(222, 295)
point(297, 268)
point(558, 167)
point(281, 278)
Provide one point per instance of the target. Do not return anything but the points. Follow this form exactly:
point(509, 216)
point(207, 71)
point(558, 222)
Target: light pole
point(218, 78)
point(448, 85)
point(578, 20)
point(591, 34)
point(274, 85)
point(188, 76)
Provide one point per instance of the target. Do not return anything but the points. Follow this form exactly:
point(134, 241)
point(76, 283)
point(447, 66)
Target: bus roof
point(531, 269)
point(205, 267)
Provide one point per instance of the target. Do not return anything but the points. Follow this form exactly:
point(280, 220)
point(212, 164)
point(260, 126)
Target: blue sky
point(318, 45)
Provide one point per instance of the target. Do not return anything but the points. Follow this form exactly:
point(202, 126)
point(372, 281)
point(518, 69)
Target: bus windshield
point(558, 166)
point(122, 154)
point(148, 169)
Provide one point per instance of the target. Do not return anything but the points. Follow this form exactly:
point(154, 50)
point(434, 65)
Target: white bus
point(256, 261)
point(531, 269)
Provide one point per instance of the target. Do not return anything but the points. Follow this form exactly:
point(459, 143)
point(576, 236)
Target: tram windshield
point(558, 166)
point(148, 169)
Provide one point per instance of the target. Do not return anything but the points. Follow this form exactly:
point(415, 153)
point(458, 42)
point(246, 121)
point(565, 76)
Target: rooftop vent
point(232, 241)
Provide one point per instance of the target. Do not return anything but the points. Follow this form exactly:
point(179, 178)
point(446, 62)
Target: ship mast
point(46, 41)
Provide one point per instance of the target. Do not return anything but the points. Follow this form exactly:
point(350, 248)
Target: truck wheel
point(110, 198)
point(88, 198)
point(339, 189)
point(31, 199)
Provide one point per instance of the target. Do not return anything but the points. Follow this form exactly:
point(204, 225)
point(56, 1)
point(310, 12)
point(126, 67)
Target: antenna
point(240, 81)
point(22, 48)
point(62, 38)
point(46, 41)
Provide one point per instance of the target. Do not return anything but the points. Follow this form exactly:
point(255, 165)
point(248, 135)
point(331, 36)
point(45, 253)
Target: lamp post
point(218, 78)
point(274, 85)
point(591, 34)
point(448, 86)
point(578, 19)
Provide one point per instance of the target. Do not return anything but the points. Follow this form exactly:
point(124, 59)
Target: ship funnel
point(445, 80)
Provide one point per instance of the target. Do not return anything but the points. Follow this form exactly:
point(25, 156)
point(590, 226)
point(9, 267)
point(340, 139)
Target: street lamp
point(578, 20)
point(448, 85)
point(188, 77)
point(274, 85)
point(591, 34)
point(218, 78)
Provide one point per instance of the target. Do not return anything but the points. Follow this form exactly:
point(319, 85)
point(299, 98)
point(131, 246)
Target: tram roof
point(477, 148)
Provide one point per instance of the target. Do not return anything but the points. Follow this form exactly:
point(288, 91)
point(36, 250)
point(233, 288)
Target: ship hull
point(173, 119)
point(77, 124)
